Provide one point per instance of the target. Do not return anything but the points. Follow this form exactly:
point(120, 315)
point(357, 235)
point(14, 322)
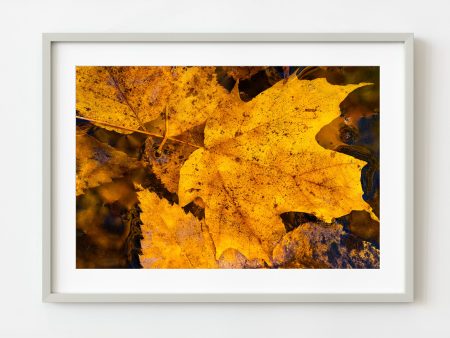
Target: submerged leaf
point(318, 245)
point(98, 163)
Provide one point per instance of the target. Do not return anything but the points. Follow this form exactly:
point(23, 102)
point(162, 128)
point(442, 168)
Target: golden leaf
point(141, 98)
point(98, 163)
point(171, 237)
point(261, 159)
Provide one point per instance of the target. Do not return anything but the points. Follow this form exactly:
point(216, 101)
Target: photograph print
point(227, 167)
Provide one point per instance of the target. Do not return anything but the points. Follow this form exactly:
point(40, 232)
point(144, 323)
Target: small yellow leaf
point(172, 238)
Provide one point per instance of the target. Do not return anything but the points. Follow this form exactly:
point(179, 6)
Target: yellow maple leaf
point(141, 98)
point(261, 159)
point(172, 238)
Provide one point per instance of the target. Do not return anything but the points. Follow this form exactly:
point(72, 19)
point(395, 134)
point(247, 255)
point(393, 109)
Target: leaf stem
point(137, 131)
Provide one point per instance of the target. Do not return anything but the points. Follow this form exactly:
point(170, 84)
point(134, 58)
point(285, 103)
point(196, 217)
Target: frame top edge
point(227, 37)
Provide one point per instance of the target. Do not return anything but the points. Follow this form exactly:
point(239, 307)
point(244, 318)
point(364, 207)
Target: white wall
point(21, 312)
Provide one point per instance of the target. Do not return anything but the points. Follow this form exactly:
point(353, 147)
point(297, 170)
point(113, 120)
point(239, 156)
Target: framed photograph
point(228, 167)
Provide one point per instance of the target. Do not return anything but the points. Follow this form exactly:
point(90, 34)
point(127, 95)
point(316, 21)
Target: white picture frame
point(50, 294)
